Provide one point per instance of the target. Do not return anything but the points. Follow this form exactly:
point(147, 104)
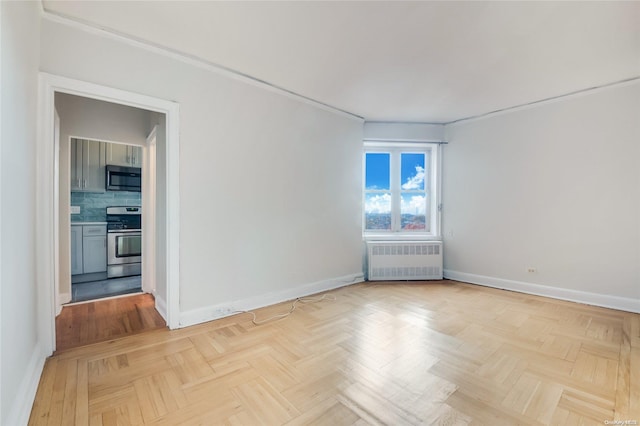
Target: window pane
point(412, 171)
point(377, 211)
point(377, 171)
point(413, 211)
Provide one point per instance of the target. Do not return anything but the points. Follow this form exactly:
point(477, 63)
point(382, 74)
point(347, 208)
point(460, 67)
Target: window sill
point(395, 236)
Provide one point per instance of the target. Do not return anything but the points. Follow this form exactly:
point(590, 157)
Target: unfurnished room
point(319, 212)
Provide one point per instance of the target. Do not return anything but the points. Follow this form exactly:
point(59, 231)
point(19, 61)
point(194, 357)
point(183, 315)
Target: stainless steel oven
point(124, 253)
point(124, 241)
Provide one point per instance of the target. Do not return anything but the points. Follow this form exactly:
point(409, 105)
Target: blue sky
point(411, 171)
point(377, 171)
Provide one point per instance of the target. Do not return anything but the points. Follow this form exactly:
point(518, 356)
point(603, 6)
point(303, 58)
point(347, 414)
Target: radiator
point(393, 260)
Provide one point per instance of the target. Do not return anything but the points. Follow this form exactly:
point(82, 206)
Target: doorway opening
point(102, 163)
point(155, 146)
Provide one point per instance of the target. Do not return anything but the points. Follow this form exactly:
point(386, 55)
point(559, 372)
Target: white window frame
point(433, 190)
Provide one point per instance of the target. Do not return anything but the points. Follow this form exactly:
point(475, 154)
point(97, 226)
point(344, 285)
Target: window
point(400, 189)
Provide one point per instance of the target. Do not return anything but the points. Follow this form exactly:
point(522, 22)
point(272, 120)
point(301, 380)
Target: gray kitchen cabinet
point(94, 248)
point(76, 165)
point(76, 250)
point(88, 249)
point(88, 160)
point(136, 155)
point(124, 155)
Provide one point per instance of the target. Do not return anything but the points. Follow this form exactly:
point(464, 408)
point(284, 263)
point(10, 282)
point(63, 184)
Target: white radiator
point(397, 260)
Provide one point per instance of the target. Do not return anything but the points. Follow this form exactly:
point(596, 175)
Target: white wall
point(555, 187)
point(20, 354)
point(105, 121)
point(270, 186)
point(410, 132)
point(90, 119)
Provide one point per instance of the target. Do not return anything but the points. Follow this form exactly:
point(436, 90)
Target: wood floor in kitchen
point(389, 353)
point(107, 319)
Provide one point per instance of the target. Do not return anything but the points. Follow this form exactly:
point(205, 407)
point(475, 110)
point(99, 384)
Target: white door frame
point(47, 194)
point(56, 210)
point(149, 187)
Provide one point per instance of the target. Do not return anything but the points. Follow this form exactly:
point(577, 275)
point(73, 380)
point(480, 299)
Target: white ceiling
point(392, 60)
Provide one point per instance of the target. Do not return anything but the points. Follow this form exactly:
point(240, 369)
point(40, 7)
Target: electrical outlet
point(223, 312)
point(532, 270)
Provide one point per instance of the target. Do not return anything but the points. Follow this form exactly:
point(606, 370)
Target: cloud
point(414, 205)
point(378, 203)
point(416, 181)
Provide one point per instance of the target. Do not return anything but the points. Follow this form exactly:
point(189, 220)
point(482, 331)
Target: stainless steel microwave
point(121, 178)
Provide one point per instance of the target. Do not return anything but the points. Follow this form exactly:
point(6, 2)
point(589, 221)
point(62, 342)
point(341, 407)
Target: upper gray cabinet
point(124, 155)
point(87, 165)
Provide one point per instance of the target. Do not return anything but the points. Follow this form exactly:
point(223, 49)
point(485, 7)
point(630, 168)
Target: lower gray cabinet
point(76, 250)
point(88, 249)
point(94, 254)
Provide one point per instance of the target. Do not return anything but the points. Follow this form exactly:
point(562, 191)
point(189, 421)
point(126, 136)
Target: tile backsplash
point(93, 205)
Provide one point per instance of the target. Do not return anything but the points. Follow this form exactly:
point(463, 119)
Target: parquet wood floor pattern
point(102, 320)
point(395, 354)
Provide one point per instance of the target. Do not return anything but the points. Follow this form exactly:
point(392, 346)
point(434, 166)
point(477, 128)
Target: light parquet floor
point(393, 354)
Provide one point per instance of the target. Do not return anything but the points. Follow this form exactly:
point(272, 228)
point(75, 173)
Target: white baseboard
point(161, 307)
point(62, 299)
point(26, 392)
point(596, 299)
point(208, 313)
